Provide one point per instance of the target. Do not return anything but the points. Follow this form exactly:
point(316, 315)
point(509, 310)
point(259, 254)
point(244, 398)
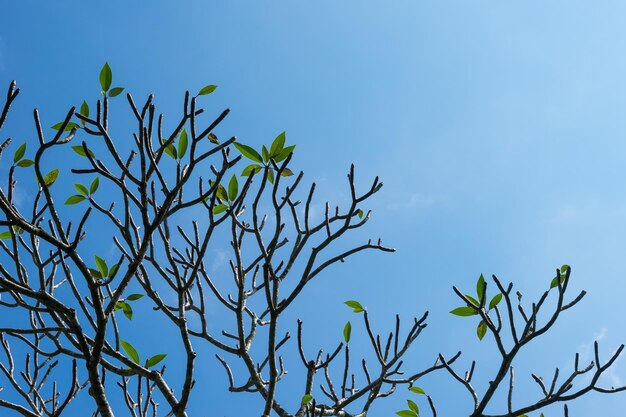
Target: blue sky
point(498, 129)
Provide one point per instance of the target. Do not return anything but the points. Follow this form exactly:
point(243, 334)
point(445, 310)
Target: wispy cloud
point(610, 376)
point(415, 200)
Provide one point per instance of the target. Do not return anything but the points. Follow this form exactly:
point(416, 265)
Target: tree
point(163, 199)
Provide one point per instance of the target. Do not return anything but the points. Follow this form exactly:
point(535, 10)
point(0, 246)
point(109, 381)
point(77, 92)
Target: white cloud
point(609, 378)
point(415, 200)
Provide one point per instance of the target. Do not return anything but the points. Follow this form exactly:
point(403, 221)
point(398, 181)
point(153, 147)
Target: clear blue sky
point(498, 128)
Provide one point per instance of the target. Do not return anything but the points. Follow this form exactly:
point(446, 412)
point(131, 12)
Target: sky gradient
point(497, 128)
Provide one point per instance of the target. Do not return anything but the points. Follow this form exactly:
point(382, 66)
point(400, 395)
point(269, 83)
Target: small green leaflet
point(473, 301)
point(84, 111)
point(207, 90)
point(220, 208)
point(51, 177)
point(480, 288)
point(464, 311)
point(130, 351)
point(79, 150)
point(155, 360)
point(360, 213)
point(134, 297)
point(115, 91)
point(481, 330)
point(182, 144)
point(413, 407)
point(407, 413)
point(495, 300)
point(106, 76)
point(5, 235)
point(248, 152)
point(282, 155)
point(19, 153)
point(94, 185)
point(347, 330)
point(128, 310)
point(355, 305)
point(82, 190)
point(417, 390)
point(24, 163)
point(251, 169)
point(113, 270)
point(233, 188)
point(68, 127)
point(278, 145)
point(102, 266)
point(74, 199)
point(306, 398)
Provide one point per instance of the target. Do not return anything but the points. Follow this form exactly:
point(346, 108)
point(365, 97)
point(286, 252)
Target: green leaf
point(251, 169)
point(265, 153)
point(68, 127)
point(113, 270)
point(84, 110)
point(106, 76)
point(102, 266)
point(413, 407)
point(360, 213)
point(19, 152)
point(277, 145)
point(95, 273)
point(282, 155)
point(248, 152)
point(555, 281)
point(306, 398)
point(233, 188)
point(171, 151)
point(564, 268)
point(94, 185)
point(208, 89)
point(221, 193)
point(130, 351)
point(134, 297)
point(182, 144)
point(417, 390)
point(127, 310)
point(116, 91)
point(481, 330)
point(118, 306)
point(464, 311)
point(270, 176)
point(81, 189)
point(355, 306)
point(347, 330)
point(286, 173)
point(79, 150)
point(406, 413)
point(24, 163)
point(220, 208)
point(5, 235)
point(155, 360)
point(495, 300)
point(75, 199)
point(51, 177)
point(472, 300)
point(480, 288)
